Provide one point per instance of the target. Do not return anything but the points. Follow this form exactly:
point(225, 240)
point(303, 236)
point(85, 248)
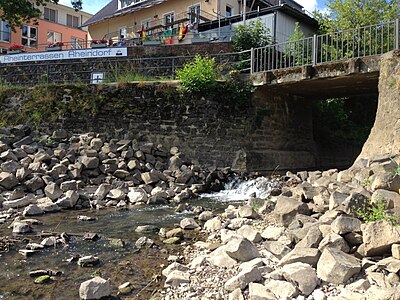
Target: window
point(72, 21)
point(76, 43)
point(29, 36)
point(122, 33)
point(145, 24)
point(53, 37)
point(125, 3)
point(50, 15)
point(228, 11)
point(194, 14)
point(169, 20)
point(4, 32)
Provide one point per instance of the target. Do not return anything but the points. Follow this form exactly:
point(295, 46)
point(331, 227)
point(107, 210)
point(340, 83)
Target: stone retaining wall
point(144, 60)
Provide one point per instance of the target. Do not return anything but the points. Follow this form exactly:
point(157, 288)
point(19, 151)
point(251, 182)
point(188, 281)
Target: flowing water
point(119, 264)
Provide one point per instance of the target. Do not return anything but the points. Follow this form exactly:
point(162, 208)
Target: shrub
point(252, 35)
point(198, 75)
point(372, 212)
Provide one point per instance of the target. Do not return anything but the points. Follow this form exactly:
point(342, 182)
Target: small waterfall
point(238, 189)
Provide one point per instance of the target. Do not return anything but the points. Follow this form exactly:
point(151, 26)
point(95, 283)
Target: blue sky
point(93, 6)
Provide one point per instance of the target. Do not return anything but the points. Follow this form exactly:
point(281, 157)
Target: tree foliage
point(347, 14)
point(18, 12)
point(252, 35)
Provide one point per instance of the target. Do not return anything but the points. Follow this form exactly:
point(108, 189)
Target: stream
point(117, 263)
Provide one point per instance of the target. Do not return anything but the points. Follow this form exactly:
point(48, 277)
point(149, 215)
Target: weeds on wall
point(199, 75)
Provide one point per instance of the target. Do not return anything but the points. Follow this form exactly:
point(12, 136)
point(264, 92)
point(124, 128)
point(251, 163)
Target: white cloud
point(309, 5)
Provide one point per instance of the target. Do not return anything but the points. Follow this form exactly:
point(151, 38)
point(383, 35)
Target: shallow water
point(117, 264)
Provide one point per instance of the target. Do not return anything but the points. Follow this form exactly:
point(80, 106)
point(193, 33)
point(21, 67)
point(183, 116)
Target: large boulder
point(241, 249)
point(242, 279)
point(337, 267)
point(345, 224)
point(287, 208)
point(379, 237)
point(95, 288)
point(303, 275)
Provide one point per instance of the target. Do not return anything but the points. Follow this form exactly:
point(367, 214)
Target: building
point(136, 21)
point(58, 23)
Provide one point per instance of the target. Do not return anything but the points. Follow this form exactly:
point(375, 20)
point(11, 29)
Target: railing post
point(314, 50)
point(396, 34)
point(251, 60)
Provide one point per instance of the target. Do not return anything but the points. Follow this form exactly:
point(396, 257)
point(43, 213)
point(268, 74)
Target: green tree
point(348, 14)
point(18, 12)
point(252, 35)
point(298, 50)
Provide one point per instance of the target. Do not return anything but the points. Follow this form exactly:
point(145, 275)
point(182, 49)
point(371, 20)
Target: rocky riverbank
point(43, 174)
point(324, 235)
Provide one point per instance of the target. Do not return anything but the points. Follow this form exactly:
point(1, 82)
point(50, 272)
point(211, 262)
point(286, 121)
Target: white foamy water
point(237, 190)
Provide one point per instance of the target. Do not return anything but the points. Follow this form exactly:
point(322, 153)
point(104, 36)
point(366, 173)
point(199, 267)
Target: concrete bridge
point(289, 76)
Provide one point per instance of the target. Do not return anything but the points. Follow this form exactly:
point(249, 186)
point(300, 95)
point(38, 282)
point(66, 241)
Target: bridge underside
point(283, 100)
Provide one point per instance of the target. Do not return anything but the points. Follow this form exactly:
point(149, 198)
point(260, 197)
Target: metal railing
point(330, 47)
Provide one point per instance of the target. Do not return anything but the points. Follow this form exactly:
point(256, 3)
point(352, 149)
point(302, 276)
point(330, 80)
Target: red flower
point(56, 44)
point(15, 47)
point(103, 41)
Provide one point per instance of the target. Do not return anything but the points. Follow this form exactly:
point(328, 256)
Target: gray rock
point(172, 267)
point(303, 275)
point(205, 216)
point(18, 203)
point(345, 224)
point(250, 233)
point(396, 251)
point(277, 248)
point(121, 173)
point(10, 166)
point(334, 240)
point(380, 293)
point(32, 210)
point(379, 237)
point(95, 288)
point(146, 228)
point(336, 199)
point(386, 181)
point(188, 223)
point(220, 258)
point(90, 162)
point(273, 233)
point(312, 238)
point(304, 255)
point(21, 228)
point(241, 249)
point(390, 264)
point(336, 266)
point(52, 191)
point(8, 180)
point(282, 289)
point(150, 177)
point(213, 225)
point(69, 185)
point(69, 200)
point(88, 261)
point(287, 208)
point(258, 291)
point(175, 278)
point(236, 295)
point(34, 184)
point(246, 211)
point(392, 199)
point(102, 191)
point(144, 242)
point(243, 279)
point(50, 241)
point(116, 194)
point(136, 195)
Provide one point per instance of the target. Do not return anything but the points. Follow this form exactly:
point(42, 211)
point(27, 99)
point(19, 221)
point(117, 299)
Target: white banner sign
point(61, 55)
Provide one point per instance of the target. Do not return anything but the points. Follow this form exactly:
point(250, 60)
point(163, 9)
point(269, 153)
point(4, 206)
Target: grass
point(130, 77)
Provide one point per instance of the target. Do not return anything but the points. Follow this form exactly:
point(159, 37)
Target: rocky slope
point(308, 242)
